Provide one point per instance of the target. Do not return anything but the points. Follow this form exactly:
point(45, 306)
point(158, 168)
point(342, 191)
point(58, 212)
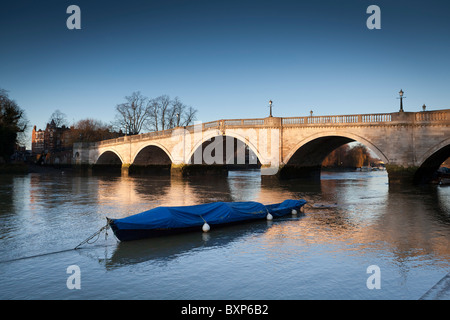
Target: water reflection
point(400, 219)
point(404, 230)
point(165, 249)
point(415, 223)
point(408, 223)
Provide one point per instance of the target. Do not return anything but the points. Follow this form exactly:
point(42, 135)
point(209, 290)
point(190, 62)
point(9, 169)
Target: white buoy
point(294, 211)
point(206, 227)
point(269, 216)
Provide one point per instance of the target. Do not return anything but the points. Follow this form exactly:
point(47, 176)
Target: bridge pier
point(125, 169)
point(187, 170)
point(398, 174)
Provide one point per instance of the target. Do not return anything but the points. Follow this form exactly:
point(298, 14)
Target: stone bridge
point(411, 144)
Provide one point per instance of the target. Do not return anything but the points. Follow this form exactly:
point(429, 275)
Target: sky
point(227, 59)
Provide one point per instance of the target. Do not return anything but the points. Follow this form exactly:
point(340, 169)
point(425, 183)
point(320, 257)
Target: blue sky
point(225, 58)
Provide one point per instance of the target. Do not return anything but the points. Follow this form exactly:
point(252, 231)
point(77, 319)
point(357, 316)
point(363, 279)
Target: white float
point(206, 227)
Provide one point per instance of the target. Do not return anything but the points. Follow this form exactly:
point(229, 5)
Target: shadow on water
point(7, 193)
point(424, 198)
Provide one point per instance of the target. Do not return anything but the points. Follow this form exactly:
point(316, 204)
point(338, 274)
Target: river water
point(353, 220)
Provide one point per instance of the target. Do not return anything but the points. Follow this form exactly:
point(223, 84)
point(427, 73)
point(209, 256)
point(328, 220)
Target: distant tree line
point(136, 114)
point(446, 163)
point(84, 130)
point(91, 130)
point(349, 157)
point(13, 124)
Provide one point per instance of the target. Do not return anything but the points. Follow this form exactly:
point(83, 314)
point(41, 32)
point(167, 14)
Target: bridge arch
point(152, 153)
point(248, 140)
point(431, 160)
point(335, 140)
point(109, 157)
point(151, 158)
point(305, 159)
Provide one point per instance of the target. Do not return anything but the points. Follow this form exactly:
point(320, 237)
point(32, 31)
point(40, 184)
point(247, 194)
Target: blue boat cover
point(212, 213)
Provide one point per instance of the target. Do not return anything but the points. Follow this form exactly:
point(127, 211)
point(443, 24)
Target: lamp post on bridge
point(270, 106)
point(401, 100)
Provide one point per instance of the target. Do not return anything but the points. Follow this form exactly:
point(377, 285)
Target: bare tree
point(174, 113)
point(160, 113)
point(59, 118)
point(133, 114)
point(189, 116)
point(154, 111)
point(164, 109)
point(180, 114)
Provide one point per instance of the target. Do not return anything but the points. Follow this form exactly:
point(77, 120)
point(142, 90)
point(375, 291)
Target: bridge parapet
point(432, 116)
point(345, 119)
point(376, 118)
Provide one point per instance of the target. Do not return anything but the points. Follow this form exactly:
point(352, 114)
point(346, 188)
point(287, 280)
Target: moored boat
point(168, 220)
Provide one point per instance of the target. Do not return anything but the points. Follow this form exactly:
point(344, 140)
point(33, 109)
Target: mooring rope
point(66, 250)
point(35, 256)
point(92, 236)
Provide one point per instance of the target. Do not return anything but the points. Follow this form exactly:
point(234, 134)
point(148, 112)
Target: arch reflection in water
point(135, 192)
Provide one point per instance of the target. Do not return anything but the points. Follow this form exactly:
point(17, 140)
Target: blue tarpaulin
point(212, 213)
point(192, 216)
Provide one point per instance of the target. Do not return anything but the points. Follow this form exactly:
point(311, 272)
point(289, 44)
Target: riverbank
point(25, 168)
point(13, 168)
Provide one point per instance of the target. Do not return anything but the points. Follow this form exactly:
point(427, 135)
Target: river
point(353, 220)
